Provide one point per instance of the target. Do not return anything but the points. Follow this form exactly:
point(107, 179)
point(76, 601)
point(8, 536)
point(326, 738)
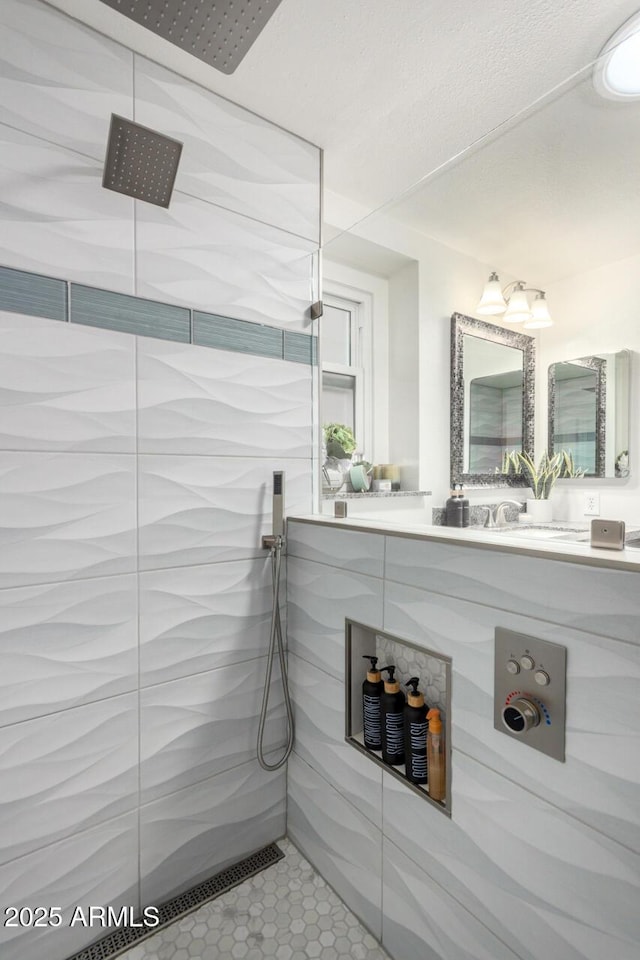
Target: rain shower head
point(140, 162)
point(219, 32)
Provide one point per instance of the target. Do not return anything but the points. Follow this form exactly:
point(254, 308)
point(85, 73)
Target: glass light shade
point(617, 73)
point(492, 302)
point(540, 316)
point(518, 309)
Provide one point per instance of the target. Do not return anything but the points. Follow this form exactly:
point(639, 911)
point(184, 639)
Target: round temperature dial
point(520, 715)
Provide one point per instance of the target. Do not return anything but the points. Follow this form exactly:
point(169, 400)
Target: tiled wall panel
point(194, 619)
point(231, 157)
point(319, 598)
point(198, 400)
point(55, 217)
point(98, 866)
point(195, 832)
point(319, 725)
point(206, 509)
point(65, 387)
point(517, 871)
point(121, 453)
point(223, 263)
point(66, 772)
point(64, 644)
point(342, 843)
point(66, 516)
point(59, 80)
point(197, 726)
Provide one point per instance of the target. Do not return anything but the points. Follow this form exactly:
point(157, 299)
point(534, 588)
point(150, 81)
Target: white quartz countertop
point(485, 539)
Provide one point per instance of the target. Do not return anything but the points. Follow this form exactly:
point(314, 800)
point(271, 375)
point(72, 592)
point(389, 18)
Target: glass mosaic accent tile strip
point(30, 293)
point(40, 296)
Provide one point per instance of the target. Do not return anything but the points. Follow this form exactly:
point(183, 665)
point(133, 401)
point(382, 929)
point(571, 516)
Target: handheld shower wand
point(275, 543)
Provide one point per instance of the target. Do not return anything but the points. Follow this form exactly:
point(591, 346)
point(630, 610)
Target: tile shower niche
point(410, 660)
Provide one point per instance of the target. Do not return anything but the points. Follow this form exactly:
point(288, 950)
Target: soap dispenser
point(372, 689)
point(464, 502)
point(415, 734)
point(454, 509)
point(435, 756)
point(392, 702)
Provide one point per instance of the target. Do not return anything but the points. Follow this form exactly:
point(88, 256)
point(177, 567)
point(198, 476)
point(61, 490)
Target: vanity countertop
point(484, 539)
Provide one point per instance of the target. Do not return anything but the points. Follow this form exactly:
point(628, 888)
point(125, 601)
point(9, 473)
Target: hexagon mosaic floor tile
point(286, 912)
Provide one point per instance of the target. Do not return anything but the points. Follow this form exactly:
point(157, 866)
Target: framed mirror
point(492, 399)
point(589, 412)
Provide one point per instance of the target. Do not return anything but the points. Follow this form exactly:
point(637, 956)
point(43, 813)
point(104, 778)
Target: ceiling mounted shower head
point(140, 162)
point(220, 32)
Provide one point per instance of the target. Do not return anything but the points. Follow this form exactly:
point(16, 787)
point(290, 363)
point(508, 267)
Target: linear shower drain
point(118, 941)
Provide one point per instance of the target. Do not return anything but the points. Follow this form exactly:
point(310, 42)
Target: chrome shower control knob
point(527, 662)
point(520, 715)
point(513, 666)
point(542, 678)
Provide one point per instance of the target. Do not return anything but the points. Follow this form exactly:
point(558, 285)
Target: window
point(343, 336)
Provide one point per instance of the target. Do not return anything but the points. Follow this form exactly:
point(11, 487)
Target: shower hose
point(275, 639)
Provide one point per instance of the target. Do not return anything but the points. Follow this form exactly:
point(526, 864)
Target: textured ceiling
point(391, 90)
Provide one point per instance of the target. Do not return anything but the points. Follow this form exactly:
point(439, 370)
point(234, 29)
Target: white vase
point(540, 511)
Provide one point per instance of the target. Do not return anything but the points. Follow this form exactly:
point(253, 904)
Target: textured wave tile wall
point(519, 869)
point(66, 772)
point(65, 387)
point(231, 157)
point(422, 920)
point(63, 644)
point(319, 723)
point(205, 509)
point(598, 785)
point(194, 619)
point(193, 833)
point(198, 726)
point(97, 866)
point(223, 263)
point(64, 516)
point(64, 91)
point(545, 884)
point(198, 400)
point(341, 842)
point(56, 219)
point(319, 598)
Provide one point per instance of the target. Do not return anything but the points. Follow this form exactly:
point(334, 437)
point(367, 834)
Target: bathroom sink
point(522, 531)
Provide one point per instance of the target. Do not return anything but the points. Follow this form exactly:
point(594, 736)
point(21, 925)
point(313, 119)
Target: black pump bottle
point(392, 702)
point(371, 706)
point(415, 734)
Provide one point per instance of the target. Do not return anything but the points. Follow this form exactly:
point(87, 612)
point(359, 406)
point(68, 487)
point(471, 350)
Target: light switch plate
point(529, 691)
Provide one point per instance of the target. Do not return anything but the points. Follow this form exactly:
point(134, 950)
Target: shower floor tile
point(286, 912)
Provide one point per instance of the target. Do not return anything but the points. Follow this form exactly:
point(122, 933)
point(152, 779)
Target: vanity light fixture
point(616, 75)
point(512, 301)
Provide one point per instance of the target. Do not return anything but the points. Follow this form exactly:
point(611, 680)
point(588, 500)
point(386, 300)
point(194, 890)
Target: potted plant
point(541, 479)
point(339, 440)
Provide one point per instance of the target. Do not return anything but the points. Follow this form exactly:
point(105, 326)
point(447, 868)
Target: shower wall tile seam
point(339, 793)
point(331, 566)
point(447, 892)
point(543, 798)
point(276, 749)
point(246, 216)
point(201, 673)
point(71, 836)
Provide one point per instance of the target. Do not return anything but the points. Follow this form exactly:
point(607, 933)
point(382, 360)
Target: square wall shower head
point(140, 162)
point(220, 32)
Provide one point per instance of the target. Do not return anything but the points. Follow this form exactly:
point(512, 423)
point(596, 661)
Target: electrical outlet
point(591, 506)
